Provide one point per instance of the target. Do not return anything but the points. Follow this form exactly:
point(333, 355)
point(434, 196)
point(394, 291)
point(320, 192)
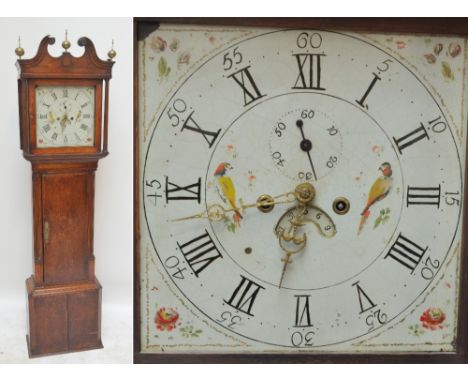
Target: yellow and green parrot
point(226, 188)
point(378, 191)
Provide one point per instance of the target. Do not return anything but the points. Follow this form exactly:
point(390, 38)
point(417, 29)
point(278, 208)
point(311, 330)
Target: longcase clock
point(63, 106)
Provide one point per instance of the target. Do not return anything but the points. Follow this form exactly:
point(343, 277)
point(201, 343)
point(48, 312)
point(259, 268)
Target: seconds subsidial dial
point(305, 144)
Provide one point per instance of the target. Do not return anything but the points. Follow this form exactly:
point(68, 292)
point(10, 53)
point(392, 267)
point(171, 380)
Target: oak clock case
point(63, 105)
point(300, 191)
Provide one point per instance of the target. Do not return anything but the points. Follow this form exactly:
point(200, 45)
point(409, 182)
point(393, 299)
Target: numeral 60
point(305, 39)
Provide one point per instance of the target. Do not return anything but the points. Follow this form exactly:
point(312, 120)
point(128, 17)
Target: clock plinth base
point(63, 318)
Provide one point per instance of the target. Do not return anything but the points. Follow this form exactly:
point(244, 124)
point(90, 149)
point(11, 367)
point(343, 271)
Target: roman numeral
point(83, 127)
point(86, 115)
point(54, 96)
point(42, 116)
point(250, 90)
point(406, 252)
point(65, 92)
point(244, 296)
point(361, 102)
point(365, 303)
point(423, 196)
point(309, 65)
point(190, 192)
point(411, 138)
point(84, 105)
point(46, 128)
point(191, 124)
point(65, 139)
point(199, 252)
point(46, 105)
point(54, 136)
point(302, 311)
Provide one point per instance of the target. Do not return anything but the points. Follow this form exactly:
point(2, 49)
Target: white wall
point(113, 199)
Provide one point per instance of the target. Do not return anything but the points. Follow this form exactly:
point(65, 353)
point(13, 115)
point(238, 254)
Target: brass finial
point(19, 51)
point(112, 53)
point(66, 44)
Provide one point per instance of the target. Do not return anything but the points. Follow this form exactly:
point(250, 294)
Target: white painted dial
point(232, 132)
point(65, 116)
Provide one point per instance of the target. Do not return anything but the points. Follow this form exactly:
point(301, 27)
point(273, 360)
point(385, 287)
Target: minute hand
point(217, 212)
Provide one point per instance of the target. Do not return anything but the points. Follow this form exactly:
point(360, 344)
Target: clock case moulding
point(428, 26)
point(64, 295)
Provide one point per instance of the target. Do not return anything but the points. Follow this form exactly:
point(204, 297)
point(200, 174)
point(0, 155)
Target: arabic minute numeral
point(231, 320)
point(437, 125)
point(232, 58)
point(450, 198)
point(179, 107)
point(386, 66)
point(374, 318)
point(173, 263)
point(430, 266)
point(154, 185)
point(306, 40)
point(299, 339)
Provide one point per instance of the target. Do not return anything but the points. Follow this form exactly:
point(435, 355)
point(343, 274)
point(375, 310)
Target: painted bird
point(378, 191)
point(226, 188)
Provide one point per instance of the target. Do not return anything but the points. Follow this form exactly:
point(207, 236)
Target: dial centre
point(306, 145)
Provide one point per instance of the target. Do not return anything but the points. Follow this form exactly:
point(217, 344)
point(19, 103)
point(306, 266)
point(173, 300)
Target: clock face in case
point(65, 116)
point(282, 109)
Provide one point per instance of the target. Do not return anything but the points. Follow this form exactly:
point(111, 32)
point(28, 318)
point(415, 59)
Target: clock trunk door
point(66, 216)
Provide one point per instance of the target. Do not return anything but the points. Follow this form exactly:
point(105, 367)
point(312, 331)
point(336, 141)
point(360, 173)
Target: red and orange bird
point(378, 191)
point(226, 188)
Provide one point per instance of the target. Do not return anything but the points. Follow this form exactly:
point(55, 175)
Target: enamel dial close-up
point(65, 116)
point(287, 115)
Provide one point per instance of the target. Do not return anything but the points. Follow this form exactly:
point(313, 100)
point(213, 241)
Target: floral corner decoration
point(433, 319)
point(166, 319)
point(452, 51)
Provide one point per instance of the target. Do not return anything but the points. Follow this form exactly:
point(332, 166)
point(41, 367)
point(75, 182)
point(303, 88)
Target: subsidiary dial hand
point(264, 203)
point(306, 146)
point(309, 214)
